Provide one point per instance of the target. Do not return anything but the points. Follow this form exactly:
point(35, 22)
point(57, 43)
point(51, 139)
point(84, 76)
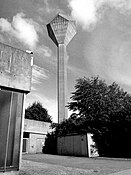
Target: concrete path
point(44, 164)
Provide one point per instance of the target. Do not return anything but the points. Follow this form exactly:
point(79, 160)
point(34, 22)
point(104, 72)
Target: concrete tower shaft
point(61, 30)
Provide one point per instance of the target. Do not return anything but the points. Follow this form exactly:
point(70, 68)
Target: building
point(15, 83)
point(34, 135)
point(77, 145)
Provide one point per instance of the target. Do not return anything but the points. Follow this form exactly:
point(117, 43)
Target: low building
point(34, 135)
point(77, 145)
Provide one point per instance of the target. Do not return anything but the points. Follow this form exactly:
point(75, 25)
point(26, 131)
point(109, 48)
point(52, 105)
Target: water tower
point(61, 30)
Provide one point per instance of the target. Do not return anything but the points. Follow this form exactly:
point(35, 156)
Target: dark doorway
point(11, 106)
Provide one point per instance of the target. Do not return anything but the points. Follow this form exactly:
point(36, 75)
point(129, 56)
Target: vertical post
point(22, 129)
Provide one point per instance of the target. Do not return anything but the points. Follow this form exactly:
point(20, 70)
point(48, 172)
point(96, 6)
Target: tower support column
point(62, 82)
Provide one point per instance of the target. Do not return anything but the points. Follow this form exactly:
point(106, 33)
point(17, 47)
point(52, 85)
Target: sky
point(102, 45)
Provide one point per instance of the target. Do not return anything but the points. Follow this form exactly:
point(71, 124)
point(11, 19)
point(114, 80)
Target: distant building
point(34, 135)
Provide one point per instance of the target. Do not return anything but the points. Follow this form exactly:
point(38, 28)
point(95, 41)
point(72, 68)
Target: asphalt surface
point(44, 164)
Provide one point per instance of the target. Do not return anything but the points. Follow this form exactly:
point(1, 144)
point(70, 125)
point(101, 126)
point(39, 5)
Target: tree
point(37, 112)
point(105, 111)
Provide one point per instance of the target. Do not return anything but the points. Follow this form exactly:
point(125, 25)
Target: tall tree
point(37, 112)
point(105, 111)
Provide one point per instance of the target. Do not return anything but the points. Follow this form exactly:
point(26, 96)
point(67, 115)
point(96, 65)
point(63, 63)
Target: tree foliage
point(50, 146)
point(37, 112)
point(105, 111)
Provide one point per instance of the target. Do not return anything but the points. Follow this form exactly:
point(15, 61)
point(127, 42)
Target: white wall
point(37, 133)
point(35, 126)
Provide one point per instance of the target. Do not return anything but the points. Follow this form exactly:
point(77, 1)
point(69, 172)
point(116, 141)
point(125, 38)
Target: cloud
point(120, 66)
point(47, 56)
point(76, 71)
point(107, 51)
point(88, 12)
point(38, 74)
point(22, 28)
point(49, 7)
point(44, 50)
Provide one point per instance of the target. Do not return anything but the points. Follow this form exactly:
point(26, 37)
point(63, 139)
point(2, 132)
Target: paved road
point(44, 164)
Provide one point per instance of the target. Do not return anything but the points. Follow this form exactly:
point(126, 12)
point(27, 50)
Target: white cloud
point(21, 28)
point(47, 55)
point(38, 73)
point(84, 11)
point(48, 8)
point(87, 12)
point(107, 51)
point(76, 71)
point(44, 50)
point(120, 64)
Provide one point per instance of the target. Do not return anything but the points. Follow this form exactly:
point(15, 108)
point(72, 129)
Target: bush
point(50, 146)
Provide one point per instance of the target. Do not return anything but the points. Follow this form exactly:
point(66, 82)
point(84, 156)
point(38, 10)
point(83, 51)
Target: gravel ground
point(44, 164)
